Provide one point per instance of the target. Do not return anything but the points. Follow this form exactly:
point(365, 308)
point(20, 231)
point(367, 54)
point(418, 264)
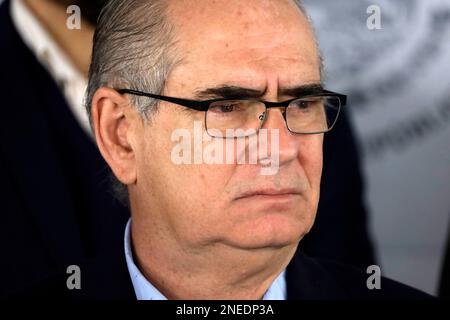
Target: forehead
point(245, 40)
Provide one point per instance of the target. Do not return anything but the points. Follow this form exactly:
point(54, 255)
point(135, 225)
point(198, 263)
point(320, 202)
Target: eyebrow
point(235, 92)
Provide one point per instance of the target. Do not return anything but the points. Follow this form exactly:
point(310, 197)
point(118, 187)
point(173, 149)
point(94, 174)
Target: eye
point(226, 106)
point(302, 104)
point(307, 104)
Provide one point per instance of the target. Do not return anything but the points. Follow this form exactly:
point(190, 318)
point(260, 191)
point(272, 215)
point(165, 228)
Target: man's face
point(266, 46)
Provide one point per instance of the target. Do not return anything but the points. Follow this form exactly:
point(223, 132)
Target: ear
point(112, 120)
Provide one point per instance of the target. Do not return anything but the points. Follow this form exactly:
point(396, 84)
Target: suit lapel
point(106, 276)
point(306, 279)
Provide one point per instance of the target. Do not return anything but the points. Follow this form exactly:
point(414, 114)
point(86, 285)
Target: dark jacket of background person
point(444, 288)
point(57, 209)
point(54, 196)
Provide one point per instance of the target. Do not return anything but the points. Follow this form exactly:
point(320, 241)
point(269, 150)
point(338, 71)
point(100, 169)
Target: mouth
point(270, 194)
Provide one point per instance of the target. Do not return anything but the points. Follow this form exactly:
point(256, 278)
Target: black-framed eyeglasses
point(233, 118)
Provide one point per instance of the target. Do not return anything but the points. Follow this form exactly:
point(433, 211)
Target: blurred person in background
point(390, 58)
point(55, 193)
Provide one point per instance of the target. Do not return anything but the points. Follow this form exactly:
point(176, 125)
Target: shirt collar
point(146, 291)
point(71, 81)
point(142, 287)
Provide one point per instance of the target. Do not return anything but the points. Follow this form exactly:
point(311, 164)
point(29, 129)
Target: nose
point(288, 147)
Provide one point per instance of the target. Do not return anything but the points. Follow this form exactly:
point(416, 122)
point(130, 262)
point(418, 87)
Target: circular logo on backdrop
point(383, 70)
point(346, 39)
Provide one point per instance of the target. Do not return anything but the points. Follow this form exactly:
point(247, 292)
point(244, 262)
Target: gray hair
point(133, 48)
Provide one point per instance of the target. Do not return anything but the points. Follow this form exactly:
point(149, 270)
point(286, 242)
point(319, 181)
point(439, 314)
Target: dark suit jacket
point(106, 278)
point(54, 191)
point(444, 286)
point(56, 208)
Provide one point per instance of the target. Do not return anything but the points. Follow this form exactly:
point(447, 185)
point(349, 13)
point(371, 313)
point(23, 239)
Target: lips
point(269, 193)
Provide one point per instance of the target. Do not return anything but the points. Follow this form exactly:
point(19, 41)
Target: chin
point(271, 230)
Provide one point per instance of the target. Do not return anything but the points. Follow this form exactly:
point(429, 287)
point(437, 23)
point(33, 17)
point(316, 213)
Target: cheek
point(191, 196)
point(311, 159)
point(179, 161)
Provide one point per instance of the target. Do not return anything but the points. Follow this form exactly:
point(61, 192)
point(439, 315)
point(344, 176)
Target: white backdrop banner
point(397, 77)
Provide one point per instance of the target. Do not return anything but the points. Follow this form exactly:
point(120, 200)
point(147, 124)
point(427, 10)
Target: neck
point(76, 43)
point(214, 271)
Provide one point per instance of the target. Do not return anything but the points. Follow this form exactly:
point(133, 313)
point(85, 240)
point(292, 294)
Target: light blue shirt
point(146, 291)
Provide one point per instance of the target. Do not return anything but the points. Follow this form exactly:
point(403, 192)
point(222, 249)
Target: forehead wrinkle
point(253, 48)
point(260, 54)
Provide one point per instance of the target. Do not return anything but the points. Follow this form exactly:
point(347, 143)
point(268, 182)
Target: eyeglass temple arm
point(192, 104)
